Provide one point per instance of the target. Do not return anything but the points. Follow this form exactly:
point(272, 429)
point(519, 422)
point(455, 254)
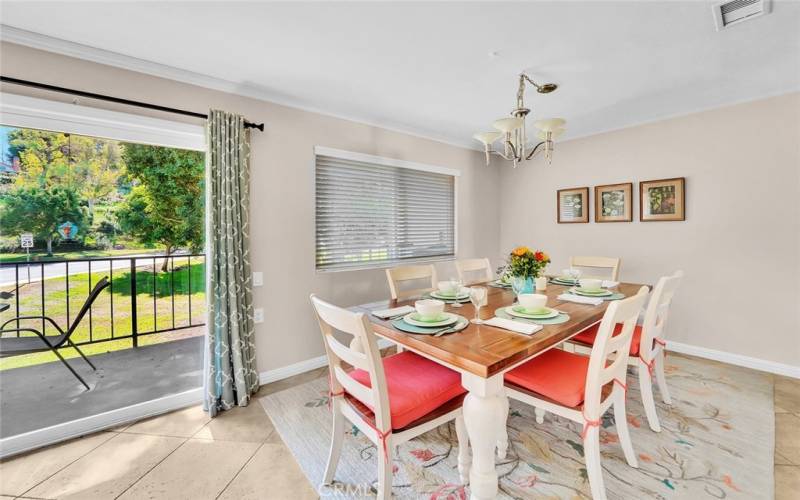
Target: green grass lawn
point(155, 304)
point(42, 256)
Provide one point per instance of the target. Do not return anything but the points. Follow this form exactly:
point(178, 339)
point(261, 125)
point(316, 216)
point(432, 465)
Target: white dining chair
point(583, 389)
point(396, 276)
point(471, 271)
point(610, 265)
point(390, 400)
point(648, 348)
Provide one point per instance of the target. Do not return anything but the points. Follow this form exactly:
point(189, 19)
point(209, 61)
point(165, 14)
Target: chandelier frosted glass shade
point(508, 125)
point(487, 137)
point(549, 124)
point(554, 134)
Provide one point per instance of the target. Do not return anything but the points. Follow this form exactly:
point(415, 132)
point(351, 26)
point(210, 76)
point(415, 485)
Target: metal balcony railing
point(140, 301)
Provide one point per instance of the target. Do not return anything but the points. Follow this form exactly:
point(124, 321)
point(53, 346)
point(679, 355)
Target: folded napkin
point(389, 313)
point(514, 326)
point(579, 299)
point(609, 284)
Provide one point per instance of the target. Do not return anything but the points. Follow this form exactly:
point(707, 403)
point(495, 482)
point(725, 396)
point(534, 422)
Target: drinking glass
point(459, 284)
point(477, 295)
point(575, 275)
point(517, 285)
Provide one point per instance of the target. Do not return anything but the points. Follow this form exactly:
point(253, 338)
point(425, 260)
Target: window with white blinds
point(374, 213)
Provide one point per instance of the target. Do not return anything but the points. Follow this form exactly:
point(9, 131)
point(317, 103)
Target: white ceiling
point(426, 68)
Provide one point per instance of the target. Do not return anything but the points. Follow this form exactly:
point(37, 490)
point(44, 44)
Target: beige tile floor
point(238, 455)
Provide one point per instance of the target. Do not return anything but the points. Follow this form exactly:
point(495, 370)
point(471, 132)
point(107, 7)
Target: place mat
point(613, 296)
point(561, 318)
point(459, 325)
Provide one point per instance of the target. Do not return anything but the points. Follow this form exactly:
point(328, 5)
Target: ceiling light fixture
point(515, 141)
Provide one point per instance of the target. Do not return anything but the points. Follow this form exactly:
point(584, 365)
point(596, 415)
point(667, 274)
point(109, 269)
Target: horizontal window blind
point(370, 215)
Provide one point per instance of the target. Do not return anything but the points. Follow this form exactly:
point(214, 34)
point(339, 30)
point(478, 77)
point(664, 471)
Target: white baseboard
point(735, 359)
point(292, 370)
point(88, 425)
point(303, 366)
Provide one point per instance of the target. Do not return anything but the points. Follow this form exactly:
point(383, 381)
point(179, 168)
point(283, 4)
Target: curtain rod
point(118, 100)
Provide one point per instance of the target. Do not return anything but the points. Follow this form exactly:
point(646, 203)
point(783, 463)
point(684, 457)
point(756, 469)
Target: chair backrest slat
point(609, 357)
point(360, 392)
point(366, 356)
point(610, 264)
point(349, 356)
point(99, 287)
point(655, 316)
point(399, 275)
point(480, 268)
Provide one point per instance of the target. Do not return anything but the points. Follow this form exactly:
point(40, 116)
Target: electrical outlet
point(258, 278)
point(258, 315)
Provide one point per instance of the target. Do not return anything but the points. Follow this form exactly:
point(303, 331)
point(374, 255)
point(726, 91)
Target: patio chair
point(15, 346)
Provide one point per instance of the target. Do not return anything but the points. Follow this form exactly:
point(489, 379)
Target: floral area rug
point(716, 441)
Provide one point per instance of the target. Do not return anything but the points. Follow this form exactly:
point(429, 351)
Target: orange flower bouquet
point(526, 263)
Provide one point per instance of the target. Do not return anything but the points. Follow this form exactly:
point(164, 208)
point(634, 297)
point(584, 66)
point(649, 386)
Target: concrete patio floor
point(34, 397)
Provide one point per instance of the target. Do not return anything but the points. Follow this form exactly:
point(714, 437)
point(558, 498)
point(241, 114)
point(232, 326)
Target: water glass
point(477, 295)
point(575, 274)
point(459, 285)
point(518, 285)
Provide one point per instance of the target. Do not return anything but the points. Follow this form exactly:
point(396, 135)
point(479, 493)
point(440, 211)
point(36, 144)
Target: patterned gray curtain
point(230, 357)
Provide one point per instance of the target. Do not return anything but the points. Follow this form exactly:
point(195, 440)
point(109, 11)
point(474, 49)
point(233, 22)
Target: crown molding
point(63, 47)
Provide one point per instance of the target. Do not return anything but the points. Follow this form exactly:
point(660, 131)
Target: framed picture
point(572, 205)
point(613, 203)
point(663, 199)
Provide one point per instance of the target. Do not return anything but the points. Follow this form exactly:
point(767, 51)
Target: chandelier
point(516, 146)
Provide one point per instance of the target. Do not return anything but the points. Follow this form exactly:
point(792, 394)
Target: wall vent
point(726, 14)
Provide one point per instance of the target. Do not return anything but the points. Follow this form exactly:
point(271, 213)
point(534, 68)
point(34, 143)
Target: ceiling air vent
point(727, 14)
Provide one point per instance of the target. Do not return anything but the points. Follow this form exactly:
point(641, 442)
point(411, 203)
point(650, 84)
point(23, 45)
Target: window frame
point(388, 162)
point(56, 116)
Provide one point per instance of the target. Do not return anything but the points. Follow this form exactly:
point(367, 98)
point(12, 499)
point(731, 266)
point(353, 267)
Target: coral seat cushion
point(555, 374)
point(416, 386)
point(587, 336)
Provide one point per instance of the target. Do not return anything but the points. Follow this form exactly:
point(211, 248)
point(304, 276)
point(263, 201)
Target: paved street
point(8, 272)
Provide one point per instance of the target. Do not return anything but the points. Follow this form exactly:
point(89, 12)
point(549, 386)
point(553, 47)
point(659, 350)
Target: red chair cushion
point(416, 386)
point(587, 336)
point(555, 374)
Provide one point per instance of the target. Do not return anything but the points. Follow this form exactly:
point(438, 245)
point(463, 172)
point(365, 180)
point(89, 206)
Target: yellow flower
point(520, 251)
point(545, 257)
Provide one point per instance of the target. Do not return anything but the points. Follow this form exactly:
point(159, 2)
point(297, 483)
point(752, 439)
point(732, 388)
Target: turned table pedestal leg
point(484, 406)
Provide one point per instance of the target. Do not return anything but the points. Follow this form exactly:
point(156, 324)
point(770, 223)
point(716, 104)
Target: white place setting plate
point(441, 296)
point(444, 319)
point(598, 293)
point(519, 312)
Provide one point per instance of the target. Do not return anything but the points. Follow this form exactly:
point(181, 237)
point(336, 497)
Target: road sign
point(26, 240)
point(68, 230)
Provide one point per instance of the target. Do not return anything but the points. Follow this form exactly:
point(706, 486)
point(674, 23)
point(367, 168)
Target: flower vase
point(530, 286)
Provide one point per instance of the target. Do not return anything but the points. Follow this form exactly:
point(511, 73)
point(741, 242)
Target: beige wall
point(282, 191)
point(742, 169)
point(742, 166)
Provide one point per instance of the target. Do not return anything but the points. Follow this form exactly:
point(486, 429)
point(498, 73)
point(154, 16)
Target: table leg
point(484, 406)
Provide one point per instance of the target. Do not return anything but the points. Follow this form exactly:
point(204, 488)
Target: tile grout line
point(243, 466)
point(185, 440)
point(67, 465)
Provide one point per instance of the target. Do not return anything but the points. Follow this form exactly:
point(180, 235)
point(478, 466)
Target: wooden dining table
point(482, 354)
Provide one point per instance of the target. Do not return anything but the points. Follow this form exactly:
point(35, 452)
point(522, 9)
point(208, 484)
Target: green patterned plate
point(444, 319)
point(401, 325)
point(519, 312)
point(557, 320)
